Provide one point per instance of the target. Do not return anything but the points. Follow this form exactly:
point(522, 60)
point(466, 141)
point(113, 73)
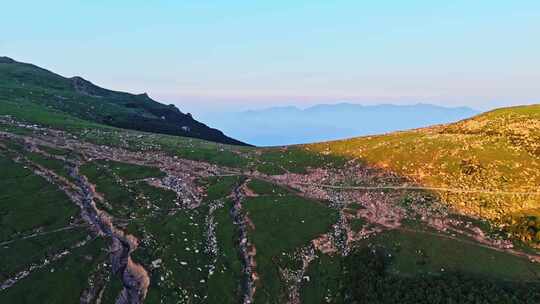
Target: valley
point(98, 207)
point(270, 152)
point(213, 223)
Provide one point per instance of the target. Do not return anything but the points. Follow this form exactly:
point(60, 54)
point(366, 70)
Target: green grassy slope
point(368, 275)
point(37, 223)
point(282, 223)
point(62, 281)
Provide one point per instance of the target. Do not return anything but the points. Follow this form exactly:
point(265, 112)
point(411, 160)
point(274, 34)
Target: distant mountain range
point(24, 83)
point(291, 125)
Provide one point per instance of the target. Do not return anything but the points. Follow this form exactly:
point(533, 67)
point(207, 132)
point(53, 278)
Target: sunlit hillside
point(488, 166)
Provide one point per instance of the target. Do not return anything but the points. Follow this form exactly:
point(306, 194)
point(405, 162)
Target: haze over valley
point(291, 125)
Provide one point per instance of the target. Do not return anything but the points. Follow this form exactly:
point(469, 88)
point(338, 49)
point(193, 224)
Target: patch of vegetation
point(323, 281)
point(111, 290)
point(121, 202)
point(55, 165)
point(15, 129)
point(213, 154)
point(525, 228)
point(366, 279)
point(179, 243)
point(357, 224)
point(368, 275)
point(270, 168)
point(132, 171)
point(29, 206)
point(35, 250)
point(126, 196)
point(355, 206)
point(224, 284)
point(295, 159)
point(282, 225)
point(62, 281)
point(39, 114)
point(55, 151)
point(28, 202)
point(219, 187)
point(429, 253)
point(191, 273)
point(265, 188)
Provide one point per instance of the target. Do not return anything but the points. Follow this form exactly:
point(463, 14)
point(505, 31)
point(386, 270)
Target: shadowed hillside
point(21, 83)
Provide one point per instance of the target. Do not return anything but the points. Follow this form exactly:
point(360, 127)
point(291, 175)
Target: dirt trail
point(38, 234)
point(455, 190)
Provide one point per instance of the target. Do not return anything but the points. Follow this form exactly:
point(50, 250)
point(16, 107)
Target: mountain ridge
point(83, 99)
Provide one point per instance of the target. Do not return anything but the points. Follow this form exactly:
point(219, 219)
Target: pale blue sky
point(247, 54)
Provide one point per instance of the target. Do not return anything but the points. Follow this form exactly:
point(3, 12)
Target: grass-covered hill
point(23, 83)
point(94, 213)
point(487, 166)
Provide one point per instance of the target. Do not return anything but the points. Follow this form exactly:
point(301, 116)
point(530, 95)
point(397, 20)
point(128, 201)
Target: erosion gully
point(134, 277)
point(245, 247)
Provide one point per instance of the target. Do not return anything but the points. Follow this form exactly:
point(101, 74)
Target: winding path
point(441, 189)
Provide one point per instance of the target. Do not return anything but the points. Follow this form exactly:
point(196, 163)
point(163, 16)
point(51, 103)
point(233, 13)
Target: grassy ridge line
point(495, 152)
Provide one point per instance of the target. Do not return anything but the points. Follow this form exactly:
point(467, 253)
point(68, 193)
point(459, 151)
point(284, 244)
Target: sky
point(234, 55)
